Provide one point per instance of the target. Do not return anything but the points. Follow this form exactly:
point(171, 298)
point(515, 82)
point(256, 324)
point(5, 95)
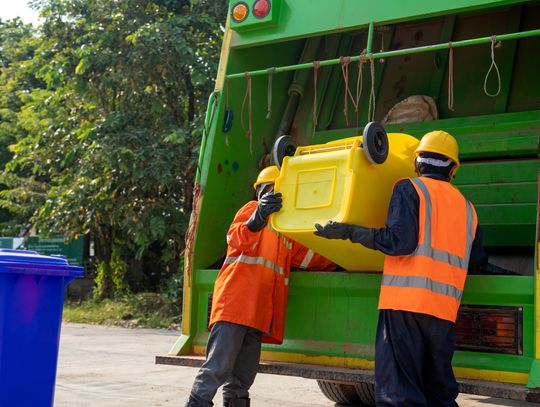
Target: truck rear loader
point(318, 71)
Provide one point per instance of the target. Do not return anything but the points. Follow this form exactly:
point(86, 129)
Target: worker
point(431, 239)
point(250, 297)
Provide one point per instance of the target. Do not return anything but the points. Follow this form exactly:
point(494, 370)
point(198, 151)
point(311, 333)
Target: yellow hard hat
point(439, 142)
point(269, 174)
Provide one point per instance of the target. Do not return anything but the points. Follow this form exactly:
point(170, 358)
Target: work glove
point(338, 230)
point(333, 230)
point(268, 204)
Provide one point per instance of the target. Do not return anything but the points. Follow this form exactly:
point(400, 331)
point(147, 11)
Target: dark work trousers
point(413, 355)
point(232, 358)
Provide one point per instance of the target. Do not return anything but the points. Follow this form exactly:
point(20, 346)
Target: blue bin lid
point(31, 262)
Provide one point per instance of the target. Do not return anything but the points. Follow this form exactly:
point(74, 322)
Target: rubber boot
point(195, 402)
point(237, 402)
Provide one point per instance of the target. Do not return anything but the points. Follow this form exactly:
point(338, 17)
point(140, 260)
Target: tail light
point(261, 8)
point(239, 12)
point(490, 329)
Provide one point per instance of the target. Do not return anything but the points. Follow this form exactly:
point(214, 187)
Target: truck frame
point(297, 71)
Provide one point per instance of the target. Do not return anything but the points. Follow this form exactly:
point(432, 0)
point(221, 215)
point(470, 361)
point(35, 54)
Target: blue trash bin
point(31, 302)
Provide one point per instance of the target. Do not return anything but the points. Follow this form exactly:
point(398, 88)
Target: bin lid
point(31, 262)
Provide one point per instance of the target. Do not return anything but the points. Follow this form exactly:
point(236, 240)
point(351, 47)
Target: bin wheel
point(283, 147)
point(354, 394)
point(375, 143)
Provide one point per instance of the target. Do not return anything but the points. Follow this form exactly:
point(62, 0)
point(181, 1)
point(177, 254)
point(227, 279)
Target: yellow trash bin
point(336, 181)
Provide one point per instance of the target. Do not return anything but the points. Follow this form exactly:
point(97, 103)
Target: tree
point(114, 137)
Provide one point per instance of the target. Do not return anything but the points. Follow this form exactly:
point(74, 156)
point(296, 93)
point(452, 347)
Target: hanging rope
point(316, 66)
point(345, 61)
point(247, 98)
point(191, 231)
point(359, 86)
point(493, 64)
point(451, 77)
point(371, 110)
point(271, 72)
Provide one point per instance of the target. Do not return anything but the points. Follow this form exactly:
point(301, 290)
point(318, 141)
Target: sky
point(17, 8)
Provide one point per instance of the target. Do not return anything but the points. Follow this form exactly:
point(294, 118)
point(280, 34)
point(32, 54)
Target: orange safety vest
point(252, 286)
point(431, 279)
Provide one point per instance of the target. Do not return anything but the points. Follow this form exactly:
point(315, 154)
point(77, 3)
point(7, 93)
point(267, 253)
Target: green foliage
point(145, 310)
point(102, 111)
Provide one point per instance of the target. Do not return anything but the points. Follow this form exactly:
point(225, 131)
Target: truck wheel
point(342, 393)
point(354, 394)
point(375, 143)
point(366, 393)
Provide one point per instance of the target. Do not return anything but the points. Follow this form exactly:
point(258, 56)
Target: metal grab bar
point(398, 52)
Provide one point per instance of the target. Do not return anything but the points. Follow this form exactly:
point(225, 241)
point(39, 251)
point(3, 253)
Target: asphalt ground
point(114, 367)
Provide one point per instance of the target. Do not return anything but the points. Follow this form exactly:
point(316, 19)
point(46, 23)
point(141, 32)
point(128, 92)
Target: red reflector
point(261, 8)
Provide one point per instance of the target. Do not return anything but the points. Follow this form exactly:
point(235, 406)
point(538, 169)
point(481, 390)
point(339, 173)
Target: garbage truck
point(307, 76)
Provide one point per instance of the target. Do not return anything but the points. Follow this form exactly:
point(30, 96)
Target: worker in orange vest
point(431, 240)
point(250, 297)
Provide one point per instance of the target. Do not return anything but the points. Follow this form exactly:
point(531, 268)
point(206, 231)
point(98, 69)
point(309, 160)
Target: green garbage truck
point(318, 71)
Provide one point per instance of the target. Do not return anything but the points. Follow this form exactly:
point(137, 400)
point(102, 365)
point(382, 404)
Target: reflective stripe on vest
point(307, 259)
point(426, 249)
point(422, 282)
point(255, 260)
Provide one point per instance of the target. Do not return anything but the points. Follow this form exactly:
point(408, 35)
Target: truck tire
point(343, 393)
point(366, 393)
point(358, 394)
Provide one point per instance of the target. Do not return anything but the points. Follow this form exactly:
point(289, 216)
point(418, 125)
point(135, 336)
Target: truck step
point(347, 375)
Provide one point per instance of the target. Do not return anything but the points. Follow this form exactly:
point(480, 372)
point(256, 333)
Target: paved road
point(114, 367)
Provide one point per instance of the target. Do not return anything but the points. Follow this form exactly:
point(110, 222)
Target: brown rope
point(345, 61)
point(271, 72)
point(247, 96)
point(451, 77)
point(359, 86)
point(316, 66)
point(493, 64)
point(371, 110)
point(191, 231)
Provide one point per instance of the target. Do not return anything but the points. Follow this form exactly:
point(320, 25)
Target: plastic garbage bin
point(31, 302)
point(336, 181)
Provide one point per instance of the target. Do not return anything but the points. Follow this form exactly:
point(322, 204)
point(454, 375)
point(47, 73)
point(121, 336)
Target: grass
point(144, 310)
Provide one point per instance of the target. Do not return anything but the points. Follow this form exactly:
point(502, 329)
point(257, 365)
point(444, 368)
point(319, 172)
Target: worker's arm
point(399, 237)
point(306, 259)
point(239, 236)
point(246, 227)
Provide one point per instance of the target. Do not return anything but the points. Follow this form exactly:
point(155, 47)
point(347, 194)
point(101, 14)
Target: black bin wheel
point(283, 147)
point(375, 143)
point(352, 394)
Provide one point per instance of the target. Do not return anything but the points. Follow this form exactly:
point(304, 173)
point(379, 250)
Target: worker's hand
point(268, 204)
point(333, 230)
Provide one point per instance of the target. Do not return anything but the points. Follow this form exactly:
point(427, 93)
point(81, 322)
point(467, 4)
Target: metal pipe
point(406, 51)
point(296, 88)
point(369, 38)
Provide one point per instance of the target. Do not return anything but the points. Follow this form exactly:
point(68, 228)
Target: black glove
point(268, 204)
point(333, 230)
point(337, 230)
point(362, 235)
